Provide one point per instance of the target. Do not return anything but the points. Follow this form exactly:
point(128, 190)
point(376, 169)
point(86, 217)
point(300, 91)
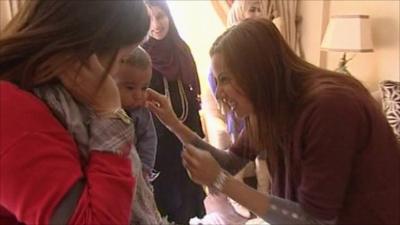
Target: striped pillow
point(391, 104)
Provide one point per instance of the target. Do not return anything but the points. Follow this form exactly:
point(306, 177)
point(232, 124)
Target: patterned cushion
point(391, 104)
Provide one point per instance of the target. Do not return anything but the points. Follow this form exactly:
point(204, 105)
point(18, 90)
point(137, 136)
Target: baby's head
point(133, 78)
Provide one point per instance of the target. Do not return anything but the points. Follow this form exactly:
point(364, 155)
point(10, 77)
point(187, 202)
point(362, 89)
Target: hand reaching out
point(161, 106)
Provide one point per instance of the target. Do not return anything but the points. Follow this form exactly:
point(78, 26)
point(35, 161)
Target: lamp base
point(342, 68)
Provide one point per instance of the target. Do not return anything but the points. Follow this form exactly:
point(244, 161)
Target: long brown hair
point(44, 30)
point(276, 81)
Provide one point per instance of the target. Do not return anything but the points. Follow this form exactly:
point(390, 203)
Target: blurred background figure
point(175, 75)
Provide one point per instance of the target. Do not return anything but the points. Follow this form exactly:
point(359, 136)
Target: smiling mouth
point(157, 31)
point(231, 104)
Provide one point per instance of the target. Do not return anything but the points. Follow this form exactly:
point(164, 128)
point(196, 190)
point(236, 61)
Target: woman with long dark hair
point(175, 75)
point(66, 143)
point(332, 155)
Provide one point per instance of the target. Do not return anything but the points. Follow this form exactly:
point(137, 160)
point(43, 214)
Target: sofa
point(388, 96)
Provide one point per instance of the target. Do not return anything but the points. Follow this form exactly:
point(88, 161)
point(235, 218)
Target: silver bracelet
point(220, 181)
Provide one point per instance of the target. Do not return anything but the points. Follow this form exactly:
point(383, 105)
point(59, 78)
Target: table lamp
point(347, 33)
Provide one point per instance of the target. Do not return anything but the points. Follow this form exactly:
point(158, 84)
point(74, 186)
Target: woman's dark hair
point(45, 29)
point(276, 81)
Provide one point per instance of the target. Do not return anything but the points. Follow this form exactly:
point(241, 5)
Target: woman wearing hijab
point(175, 75)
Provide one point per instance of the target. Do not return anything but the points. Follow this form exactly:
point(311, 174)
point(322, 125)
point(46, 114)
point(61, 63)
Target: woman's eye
point(223, 80)
point(130, 88)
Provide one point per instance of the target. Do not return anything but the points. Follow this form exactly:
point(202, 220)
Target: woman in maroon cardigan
point(64, 156)
point(332, 156)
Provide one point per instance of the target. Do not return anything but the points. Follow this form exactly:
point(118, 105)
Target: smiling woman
point(332, 155)
point(175, 75)
point(228, 90)
point(159, 23)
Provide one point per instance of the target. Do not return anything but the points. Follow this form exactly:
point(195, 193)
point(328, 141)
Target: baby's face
point(132, 83)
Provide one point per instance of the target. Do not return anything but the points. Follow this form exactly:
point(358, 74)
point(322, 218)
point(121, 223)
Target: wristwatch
point(121, 114)
point(117, 114)
point(220, 181)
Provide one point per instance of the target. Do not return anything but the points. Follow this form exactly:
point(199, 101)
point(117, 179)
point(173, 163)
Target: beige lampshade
point(348, 33)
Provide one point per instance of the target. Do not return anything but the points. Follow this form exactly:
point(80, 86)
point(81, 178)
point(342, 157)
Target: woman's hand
point(201, 166)
point(161, 106)
point(88, 84)
point(203, 169)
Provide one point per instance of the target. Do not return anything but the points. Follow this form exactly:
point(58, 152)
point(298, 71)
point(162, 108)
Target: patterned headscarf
point(239, 7)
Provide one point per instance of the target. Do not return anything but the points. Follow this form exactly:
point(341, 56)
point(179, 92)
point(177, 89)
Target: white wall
point(370, 68)
point(311, 26)
point(383, 63)
point(199, 26)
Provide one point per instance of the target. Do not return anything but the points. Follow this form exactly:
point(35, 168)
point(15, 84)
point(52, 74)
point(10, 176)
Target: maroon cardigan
point(344, 161)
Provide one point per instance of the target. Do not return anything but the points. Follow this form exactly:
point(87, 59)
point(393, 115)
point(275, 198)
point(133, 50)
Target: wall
point(5, 14)
point(199, 25)
point(312, 13)
point(370, 68)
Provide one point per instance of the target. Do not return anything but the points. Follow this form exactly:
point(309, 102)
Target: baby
point(132, 80)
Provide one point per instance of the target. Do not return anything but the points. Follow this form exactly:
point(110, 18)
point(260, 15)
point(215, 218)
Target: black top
point(176, 195)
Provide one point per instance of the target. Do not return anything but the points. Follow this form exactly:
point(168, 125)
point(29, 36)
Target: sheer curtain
point(285, 12)
point(8, 9)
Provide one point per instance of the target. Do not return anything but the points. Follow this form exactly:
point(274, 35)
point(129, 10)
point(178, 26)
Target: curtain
point(8, 9)
point(287, 10)
point(282, 12)
point(222, 8)
point(284, 15)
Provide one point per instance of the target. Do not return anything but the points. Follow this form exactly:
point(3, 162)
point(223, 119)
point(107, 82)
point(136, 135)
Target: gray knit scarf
point(75, 117)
